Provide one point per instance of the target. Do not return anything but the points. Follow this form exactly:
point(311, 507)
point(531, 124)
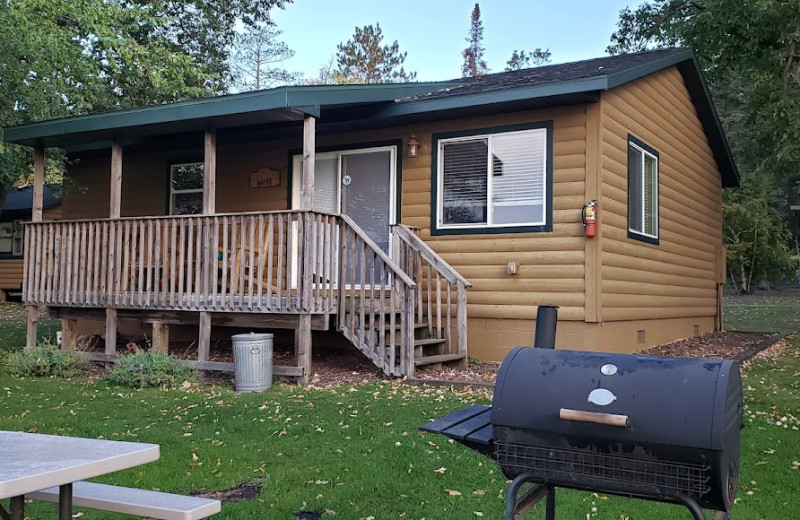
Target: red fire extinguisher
point(589, 215)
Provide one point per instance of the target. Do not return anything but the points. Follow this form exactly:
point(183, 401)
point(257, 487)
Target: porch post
point(209, 208)
point(36, 216)
point(309, 163)
point(115, 210)
point(210, 172)
point(303, 332)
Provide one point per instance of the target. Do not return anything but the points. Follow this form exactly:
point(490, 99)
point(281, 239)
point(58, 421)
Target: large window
point(642, 191)
point(186, 188)
point(11, 238)
point(493, 181)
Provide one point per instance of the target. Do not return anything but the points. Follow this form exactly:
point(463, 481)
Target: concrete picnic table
point(31, 461)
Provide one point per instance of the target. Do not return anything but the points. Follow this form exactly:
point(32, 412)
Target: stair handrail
point(396, 269)
point(432, 257)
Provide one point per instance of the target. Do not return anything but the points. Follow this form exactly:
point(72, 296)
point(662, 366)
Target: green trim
point(652, 151)
point(397, 143)
point(493, 230)
point(286, 102)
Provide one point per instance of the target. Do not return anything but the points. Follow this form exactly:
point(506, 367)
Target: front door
point(358, 183)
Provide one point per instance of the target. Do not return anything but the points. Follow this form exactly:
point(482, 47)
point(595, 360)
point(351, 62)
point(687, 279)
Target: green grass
point(772, 311)
point(357, 451)
point(13, 327)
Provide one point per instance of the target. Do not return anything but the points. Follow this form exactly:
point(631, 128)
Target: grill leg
point(515, 508)
point(693, 506)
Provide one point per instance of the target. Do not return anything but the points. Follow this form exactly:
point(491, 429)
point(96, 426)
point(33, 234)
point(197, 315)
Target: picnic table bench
point(142, 502)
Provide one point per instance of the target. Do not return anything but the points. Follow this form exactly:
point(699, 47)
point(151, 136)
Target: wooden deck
point(397, 310)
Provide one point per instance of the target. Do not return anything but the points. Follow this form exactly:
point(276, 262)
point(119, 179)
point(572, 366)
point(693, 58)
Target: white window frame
point(490, 136)
point(645, 155)
point(173, 192)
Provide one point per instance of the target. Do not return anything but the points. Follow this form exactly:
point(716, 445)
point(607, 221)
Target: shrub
point(149, 369)
point(45, 360)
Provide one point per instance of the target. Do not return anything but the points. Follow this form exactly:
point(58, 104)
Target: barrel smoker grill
point(663, 429)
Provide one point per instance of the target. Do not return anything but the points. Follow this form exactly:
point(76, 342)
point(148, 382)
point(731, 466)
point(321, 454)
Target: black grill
point(664, 429)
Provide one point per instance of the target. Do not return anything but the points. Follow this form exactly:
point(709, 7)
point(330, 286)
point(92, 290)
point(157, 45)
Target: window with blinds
point(642, 191)
point(493, 180)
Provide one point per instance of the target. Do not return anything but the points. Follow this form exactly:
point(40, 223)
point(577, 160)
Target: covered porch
point(302, 269)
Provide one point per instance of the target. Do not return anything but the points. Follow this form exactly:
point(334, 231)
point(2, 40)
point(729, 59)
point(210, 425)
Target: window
point(642, 191)
point(11, 238)
point(493, 182)
point(186, 188)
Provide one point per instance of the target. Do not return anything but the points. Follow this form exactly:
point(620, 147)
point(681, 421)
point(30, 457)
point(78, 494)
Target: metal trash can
point(252, 362)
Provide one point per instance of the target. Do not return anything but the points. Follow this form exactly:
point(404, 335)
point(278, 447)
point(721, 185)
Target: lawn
point(356, 451)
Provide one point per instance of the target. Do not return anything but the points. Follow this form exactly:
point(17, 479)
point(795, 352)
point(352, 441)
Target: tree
point(61, 58)
point(522, 60)
point(257, 54)
point(756, 240)
point(474, 65)
point(750, 53)
point(364, 60)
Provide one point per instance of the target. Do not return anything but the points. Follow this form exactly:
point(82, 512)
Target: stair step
point(430, 341)
point(441, 358)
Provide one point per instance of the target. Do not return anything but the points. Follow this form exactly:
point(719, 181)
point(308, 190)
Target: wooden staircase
point(400, 311)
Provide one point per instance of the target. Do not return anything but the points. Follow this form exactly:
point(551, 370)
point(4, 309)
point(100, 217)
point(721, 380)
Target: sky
point(433, 32)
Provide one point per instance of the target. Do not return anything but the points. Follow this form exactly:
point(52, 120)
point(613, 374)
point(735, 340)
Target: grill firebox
point(664, 429)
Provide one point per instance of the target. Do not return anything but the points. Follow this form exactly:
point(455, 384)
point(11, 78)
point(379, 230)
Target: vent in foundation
point(696, 330)
point(640, 337)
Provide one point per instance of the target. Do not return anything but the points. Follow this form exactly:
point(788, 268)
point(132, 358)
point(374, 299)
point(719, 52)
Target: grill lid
point(590, 396)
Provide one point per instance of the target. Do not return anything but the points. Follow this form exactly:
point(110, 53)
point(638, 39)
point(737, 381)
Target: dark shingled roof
point(608, 66)
point(19, 201)
point(353, 107)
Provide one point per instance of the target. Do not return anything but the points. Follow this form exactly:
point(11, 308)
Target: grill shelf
point(663, 478)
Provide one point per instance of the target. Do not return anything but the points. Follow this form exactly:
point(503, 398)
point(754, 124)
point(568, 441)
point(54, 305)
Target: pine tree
point(256, 59)
point(364, 60)
point(474, 64)
point(523, 60)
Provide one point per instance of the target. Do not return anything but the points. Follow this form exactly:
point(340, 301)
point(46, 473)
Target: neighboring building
point(16, 210)
point(416, 189)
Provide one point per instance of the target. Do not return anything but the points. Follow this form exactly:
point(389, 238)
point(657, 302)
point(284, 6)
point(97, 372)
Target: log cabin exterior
point(17, 208)
point(286, 193)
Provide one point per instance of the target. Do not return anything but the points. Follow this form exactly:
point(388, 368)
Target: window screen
point(642, 190)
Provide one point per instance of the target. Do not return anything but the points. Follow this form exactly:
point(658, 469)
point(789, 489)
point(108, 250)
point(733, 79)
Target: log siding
point(675, 278)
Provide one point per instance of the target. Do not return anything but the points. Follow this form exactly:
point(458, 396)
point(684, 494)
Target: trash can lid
point(253, 335)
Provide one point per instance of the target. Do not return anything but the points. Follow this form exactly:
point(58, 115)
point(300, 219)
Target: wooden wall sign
point(265, 178)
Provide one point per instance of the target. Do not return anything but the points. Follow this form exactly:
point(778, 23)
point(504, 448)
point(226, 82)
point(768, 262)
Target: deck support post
point(69, 334)
point(204, 337)
point(36, 216)
point(111, 331)
point(160, 337)
point(302, 347)
point(114, 211)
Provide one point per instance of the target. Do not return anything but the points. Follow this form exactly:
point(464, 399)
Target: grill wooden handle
point(608, 419)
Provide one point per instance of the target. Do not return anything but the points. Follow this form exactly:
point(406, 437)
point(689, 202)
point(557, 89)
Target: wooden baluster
point(198, 260)
point(182, 265)
point(461, 318)
point(150, 267)
point(95, 264)
point(270, 251)
point(172, 226)
point(262, 252)
point(282, 257)
point(438, 306)
point(227, 251)
point(251, 263)
point(449, 324)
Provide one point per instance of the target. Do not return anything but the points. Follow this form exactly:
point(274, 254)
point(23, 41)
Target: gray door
point(366, 193)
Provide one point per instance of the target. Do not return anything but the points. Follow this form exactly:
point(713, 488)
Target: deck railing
point(248, 262)
point(440, 289)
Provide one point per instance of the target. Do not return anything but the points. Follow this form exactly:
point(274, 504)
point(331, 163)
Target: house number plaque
point(346, 180)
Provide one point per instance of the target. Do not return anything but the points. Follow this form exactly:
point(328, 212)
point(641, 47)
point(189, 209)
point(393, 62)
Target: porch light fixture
point(413, 147)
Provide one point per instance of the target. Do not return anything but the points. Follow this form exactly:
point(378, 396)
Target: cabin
point(422, 222)
point(17, 208)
